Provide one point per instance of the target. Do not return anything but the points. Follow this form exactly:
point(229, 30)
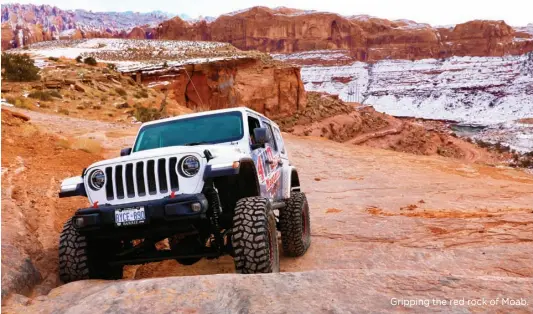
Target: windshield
point(208, 129)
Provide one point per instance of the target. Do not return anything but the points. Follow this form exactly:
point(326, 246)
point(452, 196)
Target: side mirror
point(125, 151)
point(261, 137)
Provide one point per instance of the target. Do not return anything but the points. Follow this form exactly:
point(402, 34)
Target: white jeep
point(212, 183)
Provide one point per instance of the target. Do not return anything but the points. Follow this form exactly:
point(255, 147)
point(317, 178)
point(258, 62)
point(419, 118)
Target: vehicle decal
point(273, 179)
point(260, 169)
point(269, 174)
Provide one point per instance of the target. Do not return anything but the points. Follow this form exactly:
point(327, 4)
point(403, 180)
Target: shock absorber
point(216, 209)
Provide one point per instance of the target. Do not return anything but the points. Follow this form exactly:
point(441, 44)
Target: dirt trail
point(395, 127)
point(372, 210)
point(111, 135)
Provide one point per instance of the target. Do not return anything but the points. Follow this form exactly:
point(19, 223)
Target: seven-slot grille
point(137, 179)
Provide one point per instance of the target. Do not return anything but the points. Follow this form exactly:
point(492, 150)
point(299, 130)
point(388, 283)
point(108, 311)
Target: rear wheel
point(295, 225)
point(81, 258)
point(254, 237)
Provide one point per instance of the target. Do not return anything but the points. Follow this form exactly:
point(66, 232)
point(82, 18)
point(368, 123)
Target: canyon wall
point(366, 38)
point(274, 89)
point(280, 30)
point(24, 24)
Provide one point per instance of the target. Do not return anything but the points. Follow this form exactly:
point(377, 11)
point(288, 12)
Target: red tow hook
point(172, 194)
point(95, 204)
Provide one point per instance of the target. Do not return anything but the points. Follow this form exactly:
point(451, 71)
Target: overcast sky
point(443, 12)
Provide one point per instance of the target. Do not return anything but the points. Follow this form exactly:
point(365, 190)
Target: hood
point(216, 151)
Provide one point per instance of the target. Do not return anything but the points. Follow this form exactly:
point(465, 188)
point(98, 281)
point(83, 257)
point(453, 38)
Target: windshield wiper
point(195, 143)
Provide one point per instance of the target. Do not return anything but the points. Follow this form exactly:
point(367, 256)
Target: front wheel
point(254, 237)
point(81, 259)
point(295, 225)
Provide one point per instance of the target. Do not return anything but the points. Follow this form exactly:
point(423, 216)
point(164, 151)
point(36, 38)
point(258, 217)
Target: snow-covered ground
point(492, 91)
point(131, 55)
point(315, 55)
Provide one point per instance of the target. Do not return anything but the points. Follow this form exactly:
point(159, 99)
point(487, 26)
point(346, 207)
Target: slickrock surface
point(384, 225)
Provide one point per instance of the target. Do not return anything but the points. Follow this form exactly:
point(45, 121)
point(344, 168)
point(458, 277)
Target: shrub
point(87, 145)
point(90, 61)
point(19, 102)
point(18, 68)
point(11, 99)
point(63, 111)
point(120, 91)
point(45, 95)
point(53, 59)
point(145, 114)
point(78, 59)
point(112, 66)
point(41, 95)
point(55, 93)
point(141, 94)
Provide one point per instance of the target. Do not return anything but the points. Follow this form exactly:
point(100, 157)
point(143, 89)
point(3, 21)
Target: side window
point(252, 124)
point(272, 141)
point(279, 140)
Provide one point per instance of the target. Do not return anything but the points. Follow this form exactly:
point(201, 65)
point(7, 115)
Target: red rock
point(369, 39)
point(272, 89)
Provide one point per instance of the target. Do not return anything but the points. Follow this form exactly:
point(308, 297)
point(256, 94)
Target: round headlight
point(189, 166)
point(97, 179)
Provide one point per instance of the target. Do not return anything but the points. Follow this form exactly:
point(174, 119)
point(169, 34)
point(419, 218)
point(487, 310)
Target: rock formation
point(368, 39)
point(283, 30)
point(273, 89)
point(24, 24)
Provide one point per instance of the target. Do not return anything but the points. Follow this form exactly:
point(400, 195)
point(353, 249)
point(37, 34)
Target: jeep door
point(267, 160)
point(273, 162)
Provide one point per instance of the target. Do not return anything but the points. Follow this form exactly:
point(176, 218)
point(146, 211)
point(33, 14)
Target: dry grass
point(201, 108)
point(87, 145)
point(28, 130)
point(63, 111)
point(63, 143)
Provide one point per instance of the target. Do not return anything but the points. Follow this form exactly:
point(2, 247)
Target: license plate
point(129, 216)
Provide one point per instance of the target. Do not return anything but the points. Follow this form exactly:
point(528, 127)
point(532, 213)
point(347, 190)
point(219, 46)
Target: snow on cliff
point(479, 90)
point(131, 55)
point(483, 90)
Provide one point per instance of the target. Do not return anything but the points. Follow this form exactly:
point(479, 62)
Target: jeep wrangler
point(211, 184)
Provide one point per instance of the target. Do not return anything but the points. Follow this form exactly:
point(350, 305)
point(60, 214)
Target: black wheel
point(184, 246)
point(295, 225)
point(82, 259)
point(254, 237)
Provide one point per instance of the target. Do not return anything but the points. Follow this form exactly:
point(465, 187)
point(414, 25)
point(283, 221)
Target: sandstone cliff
point(271, 88)
point(368, 39)
point(24, 24)
point(281, 30)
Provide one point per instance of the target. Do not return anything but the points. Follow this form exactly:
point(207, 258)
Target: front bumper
point(157, 213)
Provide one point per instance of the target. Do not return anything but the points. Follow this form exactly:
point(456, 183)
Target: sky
point(443, 12)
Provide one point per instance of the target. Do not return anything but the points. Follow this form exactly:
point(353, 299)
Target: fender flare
point(291, 181)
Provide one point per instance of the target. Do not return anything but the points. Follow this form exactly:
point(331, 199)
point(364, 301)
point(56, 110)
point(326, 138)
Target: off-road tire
point(254, 237)
point(295, 225)
point(76, 262)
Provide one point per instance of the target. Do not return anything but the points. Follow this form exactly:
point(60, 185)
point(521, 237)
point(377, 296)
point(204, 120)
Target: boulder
point(332, 291)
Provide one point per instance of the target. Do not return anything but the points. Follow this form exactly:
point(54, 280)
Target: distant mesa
point(275, 30)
